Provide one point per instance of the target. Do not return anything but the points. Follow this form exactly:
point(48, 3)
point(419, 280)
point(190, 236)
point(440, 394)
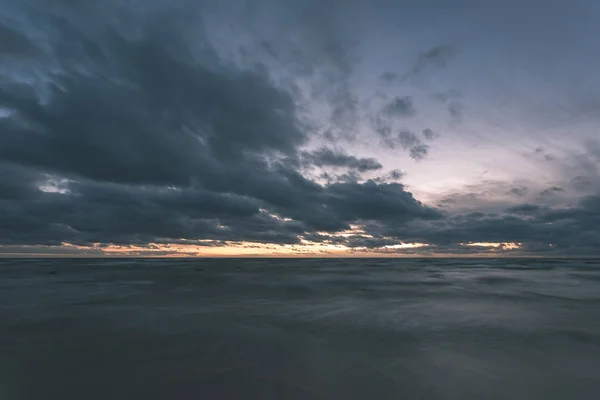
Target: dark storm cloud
point(14, 43)
point(525, 209)
point(372, 201)
point(57, 251)
point(115, 213)
point(337, 158)
point(17, 182)
point(563, 230)
point(337, 205)
point(151, 137)
point(141, 125)
point(571, 230)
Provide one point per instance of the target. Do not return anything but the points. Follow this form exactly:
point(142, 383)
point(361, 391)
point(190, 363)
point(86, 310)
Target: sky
point(299, 128)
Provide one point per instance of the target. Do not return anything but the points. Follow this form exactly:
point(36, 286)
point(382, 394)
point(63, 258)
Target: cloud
point(408, 140)
point(152, 117)
point(311, 43)
point(156, 124)
point(525, 209)
point(405, 139)
point(391, 176)
point(537, 227)
point(153, 137)
point(436, 57)
point(18, 182)
point(541, 152)
point(519, 191)
point(428, 134)
point(551, 191)
point(581, 183)
point(324, 157)
point(399, 107)
point(383, 123)
point(15, 43)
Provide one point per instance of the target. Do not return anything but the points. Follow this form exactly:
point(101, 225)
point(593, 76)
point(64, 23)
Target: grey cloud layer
point(139, 130)
point(336, 158)
point(145, 139)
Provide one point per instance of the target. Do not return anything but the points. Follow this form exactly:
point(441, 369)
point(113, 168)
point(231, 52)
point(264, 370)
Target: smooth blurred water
point(299, 329)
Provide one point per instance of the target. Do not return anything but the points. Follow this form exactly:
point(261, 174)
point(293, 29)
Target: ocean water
point(299, 329)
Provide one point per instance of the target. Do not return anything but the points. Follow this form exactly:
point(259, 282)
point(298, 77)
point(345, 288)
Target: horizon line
point(80, 256)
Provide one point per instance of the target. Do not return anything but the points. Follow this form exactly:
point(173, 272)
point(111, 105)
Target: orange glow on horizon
point(495, 245)
point(211, 248)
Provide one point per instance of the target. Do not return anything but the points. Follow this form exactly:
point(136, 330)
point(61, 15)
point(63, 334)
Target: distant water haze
point(299, 329)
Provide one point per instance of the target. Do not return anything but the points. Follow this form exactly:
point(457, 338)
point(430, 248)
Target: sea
point(299, 329)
